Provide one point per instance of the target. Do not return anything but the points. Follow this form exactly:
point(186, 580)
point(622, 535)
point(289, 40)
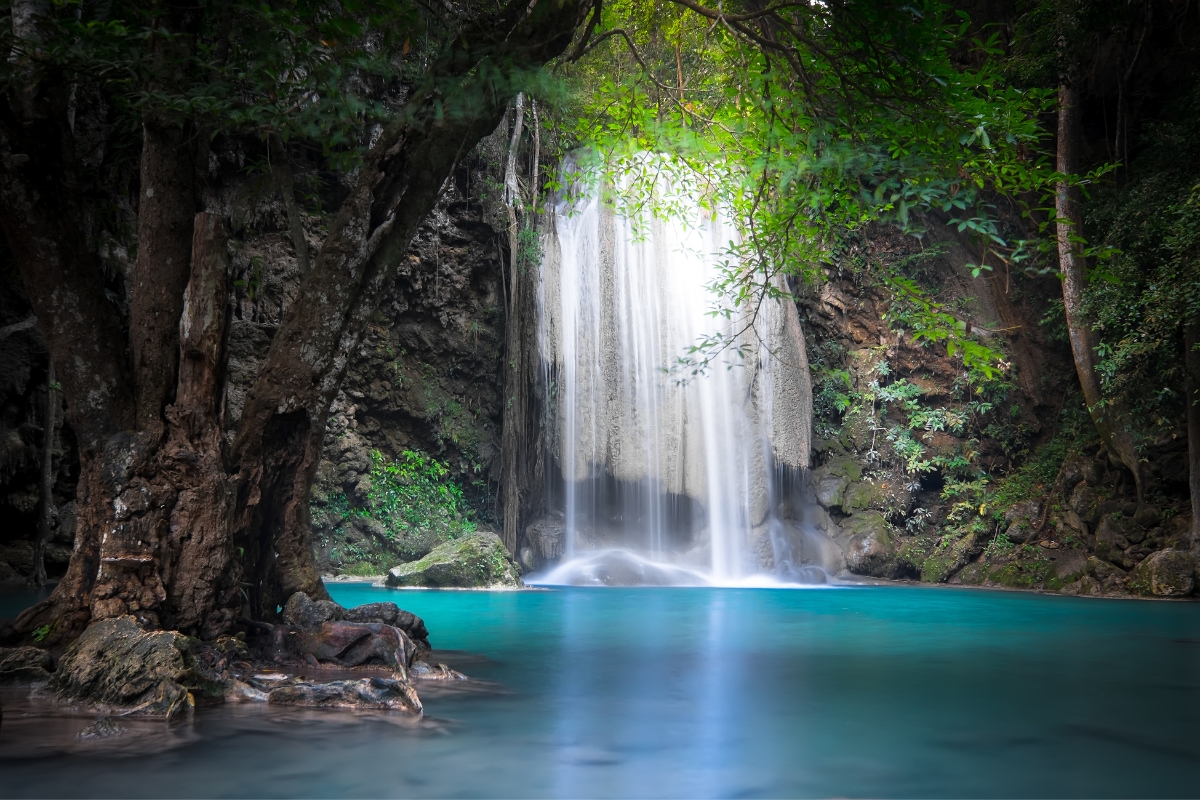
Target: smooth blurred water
point(864, 691)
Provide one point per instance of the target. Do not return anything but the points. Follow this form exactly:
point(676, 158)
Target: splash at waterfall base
point(663, 474)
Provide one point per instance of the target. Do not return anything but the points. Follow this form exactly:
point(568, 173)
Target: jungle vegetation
point(805, 120)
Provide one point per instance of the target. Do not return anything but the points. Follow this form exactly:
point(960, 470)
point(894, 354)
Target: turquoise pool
point(887, 691)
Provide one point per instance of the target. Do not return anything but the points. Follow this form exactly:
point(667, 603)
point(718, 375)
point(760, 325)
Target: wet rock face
point(477, 560)
point(1167, 573)
point(428, 376)
point(374, 692)
point(1021, 520)
point(22, 666)
point(116, 663)
point(869, 545)
point(545, 542)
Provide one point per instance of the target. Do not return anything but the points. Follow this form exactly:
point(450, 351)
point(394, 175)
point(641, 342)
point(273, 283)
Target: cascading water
point(664, 480)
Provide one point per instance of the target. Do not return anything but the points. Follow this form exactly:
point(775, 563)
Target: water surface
point(864, 691)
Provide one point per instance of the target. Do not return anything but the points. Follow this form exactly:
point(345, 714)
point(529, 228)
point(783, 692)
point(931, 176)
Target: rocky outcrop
point(24, 666)
point(115, 663)
point(118, 666)
point(869, 544)
point(1167, 573)
point(544, 543)
point(475, 561)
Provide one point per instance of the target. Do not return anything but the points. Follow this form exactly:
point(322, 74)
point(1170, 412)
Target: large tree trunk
point(175, 528)
point(46, 482)
point(166, 208)
point(1191, 338)
point(1108, 416)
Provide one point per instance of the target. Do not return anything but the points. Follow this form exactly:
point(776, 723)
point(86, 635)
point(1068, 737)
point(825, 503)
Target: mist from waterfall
point(663, 471)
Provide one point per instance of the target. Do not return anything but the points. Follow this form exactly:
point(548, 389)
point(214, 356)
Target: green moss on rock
point(1167, 573)
point(477, 560)
point(869, 544)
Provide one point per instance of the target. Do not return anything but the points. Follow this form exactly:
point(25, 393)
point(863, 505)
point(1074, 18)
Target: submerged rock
point(477, 560)
point(381, 693)
point(21, 666)
point(1167, 573)
point(620, 568)
point(116, 663)
point(102, 728)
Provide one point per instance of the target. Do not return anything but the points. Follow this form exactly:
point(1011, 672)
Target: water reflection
point(884, 691)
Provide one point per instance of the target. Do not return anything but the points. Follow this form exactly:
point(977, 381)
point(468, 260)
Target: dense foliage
point(1148, 287)
point(805, 122)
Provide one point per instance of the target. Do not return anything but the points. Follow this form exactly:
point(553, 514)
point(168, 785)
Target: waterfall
point(679, 469)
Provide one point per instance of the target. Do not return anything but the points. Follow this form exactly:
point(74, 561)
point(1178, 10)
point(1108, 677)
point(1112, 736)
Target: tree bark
point(166, 209)
point(178, 530)
point(1191, 339)
point(1108, 416)
point(46, 484)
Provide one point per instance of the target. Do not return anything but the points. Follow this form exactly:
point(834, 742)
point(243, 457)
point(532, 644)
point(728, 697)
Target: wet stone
point(375, 693)
point(102, 728)
point(21, 666)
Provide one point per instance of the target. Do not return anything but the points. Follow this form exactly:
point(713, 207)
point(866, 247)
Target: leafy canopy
point(805, 121)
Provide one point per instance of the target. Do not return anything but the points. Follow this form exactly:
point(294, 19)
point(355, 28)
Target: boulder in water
point(116, 663)
point(382, 693)
point(476, 560)
point(353, 643)
point(21, 666)
point(1069, 567)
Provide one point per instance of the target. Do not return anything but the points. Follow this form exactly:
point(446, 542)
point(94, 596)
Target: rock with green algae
point(1069, 567)
point(474, 561)
point(869, 544)
point(1020, 574)
point(1167, 573)
point(117, 664)
point(947, 557)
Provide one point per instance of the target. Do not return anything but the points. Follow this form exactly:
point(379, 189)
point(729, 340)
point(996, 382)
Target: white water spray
point(675, 471)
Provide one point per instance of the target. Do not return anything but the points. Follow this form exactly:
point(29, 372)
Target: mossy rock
point(1167, 573)
point(862, 495)
point(1020, 575)
point(845, 467)
point(946, 559)
point(476, 560)
point(974, 574)
point(1069, 567)
point(869, 545)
